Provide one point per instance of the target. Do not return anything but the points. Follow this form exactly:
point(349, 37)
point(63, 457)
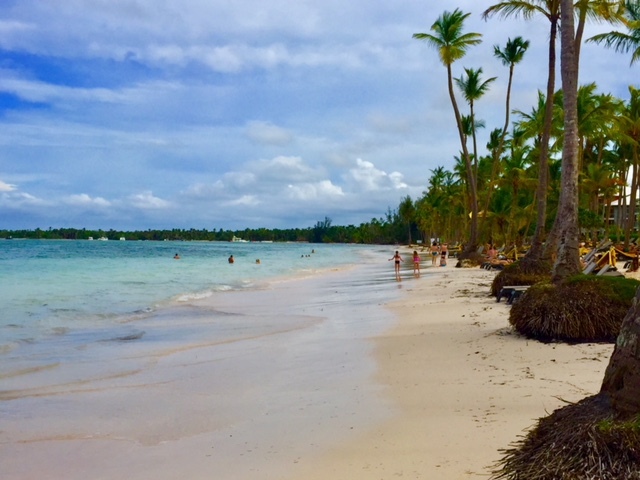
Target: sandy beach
point(465, 385)
point(355, 376)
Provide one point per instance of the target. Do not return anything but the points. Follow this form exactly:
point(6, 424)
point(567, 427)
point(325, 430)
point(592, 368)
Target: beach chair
point(511, 293)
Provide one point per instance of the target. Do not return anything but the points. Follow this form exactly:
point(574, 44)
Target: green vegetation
point(388, 230)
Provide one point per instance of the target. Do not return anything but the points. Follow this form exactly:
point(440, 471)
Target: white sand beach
point(363, 378)
point(465, 385)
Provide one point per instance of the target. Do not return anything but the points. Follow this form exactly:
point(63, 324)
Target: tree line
point(388, 229)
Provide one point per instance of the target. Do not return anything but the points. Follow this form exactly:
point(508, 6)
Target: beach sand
point(367, 378)
point(464, 383)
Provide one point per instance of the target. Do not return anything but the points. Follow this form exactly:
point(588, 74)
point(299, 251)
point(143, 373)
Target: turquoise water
point(65, 294)
point(118, 351)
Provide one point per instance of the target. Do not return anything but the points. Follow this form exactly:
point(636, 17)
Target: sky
point(145, 114)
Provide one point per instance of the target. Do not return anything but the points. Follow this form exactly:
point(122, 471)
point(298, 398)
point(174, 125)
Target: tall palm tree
point(510, 56)
point(473, 88)
point(452, 43)
point(621, 41)
point(629, 124)
point(568, 261)
point(551, 10)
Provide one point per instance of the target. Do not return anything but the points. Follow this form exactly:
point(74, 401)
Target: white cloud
point(147, 201)
point(369, 178)
point(6, 187)
point(85, 200)
point(21, 199)
point(315, 191)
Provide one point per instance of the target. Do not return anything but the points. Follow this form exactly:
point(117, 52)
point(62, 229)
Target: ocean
point(74, 293)
point(113, 341)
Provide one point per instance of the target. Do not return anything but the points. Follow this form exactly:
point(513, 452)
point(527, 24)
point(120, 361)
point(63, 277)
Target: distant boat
point(103, 239)
point(122, 239)
point(238, 240)
point(90, 238)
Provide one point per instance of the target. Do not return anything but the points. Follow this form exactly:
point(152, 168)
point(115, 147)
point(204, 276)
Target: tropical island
point(558, 178)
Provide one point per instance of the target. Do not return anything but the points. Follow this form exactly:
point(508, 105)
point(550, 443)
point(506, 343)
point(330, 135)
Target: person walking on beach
point(416, 263)
point(435, 253)
point(397, 259)
point(443, 255)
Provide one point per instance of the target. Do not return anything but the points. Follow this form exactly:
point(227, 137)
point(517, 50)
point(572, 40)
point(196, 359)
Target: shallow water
point(239, 375)
point(58, 295)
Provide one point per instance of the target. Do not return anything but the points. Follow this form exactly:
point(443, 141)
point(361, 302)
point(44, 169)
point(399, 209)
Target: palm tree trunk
point(471, 180)
point(568, 261)
point(631, 209)
point(622, 377)
point(537, 252)
point(498, 152)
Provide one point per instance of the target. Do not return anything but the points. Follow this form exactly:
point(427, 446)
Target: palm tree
point(452, 44)
point(568, 261)
point(407, 213)
point(624, 42)
point(512, 54)
point(473, 88)
point(629, 124)
point(551, 10)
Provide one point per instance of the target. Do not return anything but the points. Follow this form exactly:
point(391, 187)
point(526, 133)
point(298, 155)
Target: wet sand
point(241, 385)
point(351, 375)
point(464, 384)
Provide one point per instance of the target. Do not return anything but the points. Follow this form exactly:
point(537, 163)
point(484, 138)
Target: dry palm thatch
point(583, 308)
point(521, 273)
point(582, 441)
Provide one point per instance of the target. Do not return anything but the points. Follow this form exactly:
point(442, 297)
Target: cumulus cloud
point(369, 178)
point(315, 191)
point(146, 201)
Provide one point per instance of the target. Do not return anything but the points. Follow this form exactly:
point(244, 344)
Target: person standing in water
point(231, 259)
point(416, 263)
point(397, 259)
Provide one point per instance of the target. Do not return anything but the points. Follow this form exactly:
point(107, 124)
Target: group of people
point(438, 251)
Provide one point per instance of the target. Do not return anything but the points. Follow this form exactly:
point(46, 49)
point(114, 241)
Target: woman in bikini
point(397, 259)
point(435, 253)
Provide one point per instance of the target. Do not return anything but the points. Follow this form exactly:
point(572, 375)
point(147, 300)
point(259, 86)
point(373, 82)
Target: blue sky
point(136, 114)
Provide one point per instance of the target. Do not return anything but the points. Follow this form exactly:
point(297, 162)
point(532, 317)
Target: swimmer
point(176, 257)
point(231, 259)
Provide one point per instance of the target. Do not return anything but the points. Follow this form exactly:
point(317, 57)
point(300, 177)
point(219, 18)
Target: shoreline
point(367, 378)
point(292, 373)
point(464, 385)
